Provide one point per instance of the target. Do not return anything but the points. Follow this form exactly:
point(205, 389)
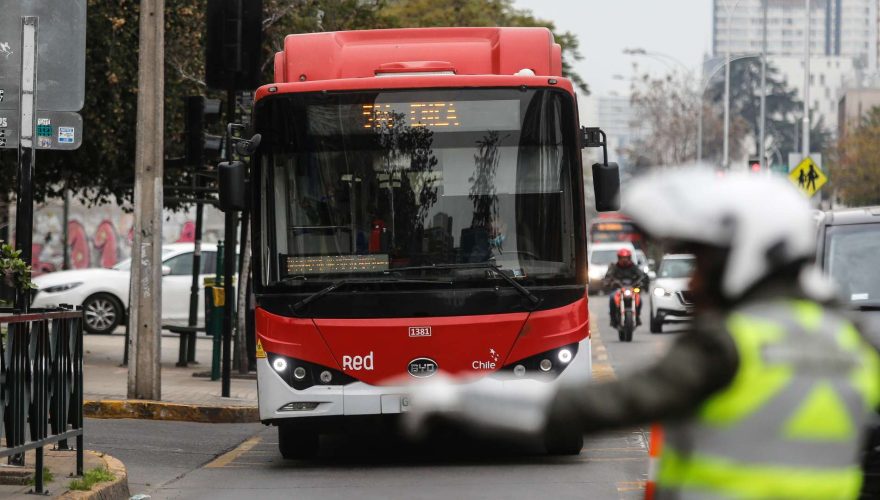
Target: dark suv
point(849, 252)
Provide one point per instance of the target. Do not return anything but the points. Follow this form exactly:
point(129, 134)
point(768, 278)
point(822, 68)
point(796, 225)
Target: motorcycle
point(627, 299)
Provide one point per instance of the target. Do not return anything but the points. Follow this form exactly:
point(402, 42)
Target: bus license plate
point(404, 404)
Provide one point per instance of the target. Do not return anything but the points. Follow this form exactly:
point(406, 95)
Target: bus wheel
point(564, 442)
point(296, 442)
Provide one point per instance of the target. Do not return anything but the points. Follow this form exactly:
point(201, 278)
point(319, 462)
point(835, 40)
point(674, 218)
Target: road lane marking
point(226, 458)
point(625, 486)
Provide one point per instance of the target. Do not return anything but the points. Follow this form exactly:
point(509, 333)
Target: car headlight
point(661, 292)
point(60, 288)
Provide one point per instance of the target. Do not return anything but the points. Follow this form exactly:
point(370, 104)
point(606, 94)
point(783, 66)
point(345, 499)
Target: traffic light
point(233, 52)
point(754, 164)
point(201, 146)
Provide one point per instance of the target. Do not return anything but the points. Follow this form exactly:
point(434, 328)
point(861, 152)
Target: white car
point(103, 293)
point(670, 298)
point(600, 256)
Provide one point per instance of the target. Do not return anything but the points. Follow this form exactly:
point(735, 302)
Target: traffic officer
point(769, 393)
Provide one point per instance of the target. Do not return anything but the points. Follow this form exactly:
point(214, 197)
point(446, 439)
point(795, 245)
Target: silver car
point(670, 298)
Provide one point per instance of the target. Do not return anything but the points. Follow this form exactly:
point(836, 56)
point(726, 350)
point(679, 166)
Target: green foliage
point(91, 478)
point(854, 162)
point(13, 270)
point(783, 107)
point(48, 477)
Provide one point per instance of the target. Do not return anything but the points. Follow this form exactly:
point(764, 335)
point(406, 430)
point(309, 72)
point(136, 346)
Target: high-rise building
point(845, 28)
point(843, 44)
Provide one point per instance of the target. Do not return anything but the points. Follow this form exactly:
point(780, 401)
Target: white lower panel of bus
point(359, 398)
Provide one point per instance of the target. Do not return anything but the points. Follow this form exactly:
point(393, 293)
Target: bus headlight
point(280, 364)
point(541, 366)
point(564, 355)
point(299, 373)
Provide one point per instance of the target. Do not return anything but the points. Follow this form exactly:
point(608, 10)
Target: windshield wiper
point(345, 281)
point(475, 265)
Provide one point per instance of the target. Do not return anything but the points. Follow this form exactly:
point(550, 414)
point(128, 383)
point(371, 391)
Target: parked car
point(103, 293)
point(670, 298)
point(600, 256)
point(849, 252)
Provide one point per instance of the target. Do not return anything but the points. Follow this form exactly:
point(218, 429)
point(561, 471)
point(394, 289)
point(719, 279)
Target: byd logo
point(422, 367)
point(358, 363)
point(420, 331)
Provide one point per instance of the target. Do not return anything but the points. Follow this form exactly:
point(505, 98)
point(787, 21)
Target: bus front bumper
point(279, 401)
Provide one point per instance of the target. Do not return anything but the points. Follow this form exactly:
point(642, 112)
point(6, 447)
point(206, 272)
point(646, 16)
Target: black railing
point(41, 384)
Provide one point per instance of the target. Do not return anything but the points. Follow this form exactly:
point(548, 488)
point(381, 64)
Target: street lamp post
point(762, 125)
point(805, 144)
point(726, 152)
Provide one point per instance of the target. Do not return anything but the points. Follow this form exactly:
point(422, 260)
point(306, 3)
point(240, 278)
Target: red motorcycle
point(627, 299)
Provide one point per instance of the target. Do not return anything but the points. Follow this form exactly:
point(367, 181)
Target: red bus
point(610, 227)
point(418, 208)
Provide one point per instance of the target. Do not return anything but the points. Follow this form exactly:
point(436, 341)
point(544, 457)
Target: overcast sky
point(679, 28)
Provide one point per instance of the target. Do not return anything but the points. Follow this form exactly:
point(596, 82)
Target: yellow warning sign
point(808, 176)
point(260, 352)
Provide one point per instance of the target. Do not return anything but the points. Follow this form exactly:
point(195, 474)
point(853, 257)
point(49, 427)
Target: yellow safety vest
point(792, 420)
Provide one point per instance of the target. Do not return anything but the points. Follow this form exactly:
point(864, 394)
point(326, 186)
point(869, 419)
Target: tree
point(667, 112)
point(782, 106)
point(854, 162)
point(101, 171)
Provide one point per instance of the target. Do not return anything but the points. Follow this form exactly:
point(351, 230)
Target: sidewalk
point(60, 466)
point(106, 381)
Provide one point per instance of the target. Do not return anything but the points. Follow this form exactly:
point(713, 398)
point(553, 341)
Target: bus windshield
point(360, 183)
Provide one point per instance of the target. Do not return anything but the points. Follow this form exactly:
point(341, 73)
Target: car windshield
point(852, 259)
point(603, 257)
point(365, 182)
point(676, 268)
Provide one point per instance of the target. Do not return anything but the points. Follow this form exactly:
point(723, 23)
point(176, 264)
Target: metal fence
point(41, 384)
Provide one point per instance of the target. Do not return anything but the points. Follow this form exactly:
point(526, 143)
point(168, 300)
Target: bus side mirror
point(606, 186)
point(232, 182)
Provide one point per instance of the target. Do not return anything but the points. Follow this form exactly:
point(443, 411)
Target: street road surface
point(181, 460)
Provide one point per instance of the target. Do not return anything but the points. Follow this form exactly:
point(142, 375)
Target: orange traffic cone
point(655, 446)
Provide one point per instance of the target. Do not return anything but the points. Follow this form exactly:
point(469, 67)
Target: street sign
point(61, 67)
point(808, 176)
point(56, 130)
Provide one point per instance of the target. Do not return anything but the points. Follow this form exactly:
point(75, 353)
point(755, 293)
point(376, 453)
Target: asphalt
point(157, 452)
point(192, 460)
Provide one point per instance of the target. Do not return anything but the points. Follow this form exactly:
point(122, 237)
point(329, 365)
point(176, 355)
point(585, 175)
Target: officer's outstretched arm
point(698, 364)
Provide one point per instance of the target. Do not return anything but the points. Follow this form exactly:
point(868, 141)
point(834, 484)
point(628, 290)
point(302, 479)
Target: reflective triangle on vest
point(821, 416)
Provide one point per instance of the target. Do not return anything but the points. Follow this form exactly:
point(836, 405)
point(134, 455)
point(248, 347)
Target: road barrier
point(41, 384)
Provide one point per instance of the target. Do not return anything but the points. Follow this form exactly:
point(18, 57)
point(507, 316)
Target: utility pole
point(762, 150)
point(725, 159)
point(805, 144)
point(144, 381)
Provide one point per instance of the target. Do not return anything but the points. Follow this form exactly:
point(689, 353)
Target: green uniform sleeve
point(698, 364)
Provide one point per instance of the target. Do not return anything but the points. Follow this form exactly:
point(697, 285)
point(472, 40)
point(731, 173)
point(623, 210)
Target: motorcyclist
point(623, 271)
point(769, 393)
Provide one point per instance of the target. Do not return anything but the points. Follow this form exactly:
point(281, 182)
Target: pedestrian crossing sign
point(260, 352)
point(808, 177)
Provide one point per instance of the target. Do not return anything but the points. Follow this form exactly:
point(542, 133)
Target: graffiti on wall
point(102, 236)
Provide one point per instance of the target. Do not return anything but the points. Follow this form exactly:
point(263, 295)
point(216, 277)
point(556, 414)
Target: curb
point(159, 410)
point(112, 490)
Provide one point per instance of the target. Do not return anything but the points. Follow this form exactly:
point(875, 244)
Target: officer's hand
point(485, 405)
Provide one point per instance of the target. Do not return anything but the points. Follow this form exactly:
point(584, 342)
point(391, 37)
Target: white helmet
point(763, 220)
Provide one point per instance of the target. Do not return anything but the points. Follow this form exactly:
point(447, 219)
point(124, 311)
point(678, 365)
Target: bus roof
point(426, 51)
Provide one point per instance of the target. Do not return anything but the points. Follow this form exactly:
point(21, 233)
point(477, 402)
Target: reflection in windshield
point(365, 182)
point(852, 258)
point(676, 268)
point(603, 257)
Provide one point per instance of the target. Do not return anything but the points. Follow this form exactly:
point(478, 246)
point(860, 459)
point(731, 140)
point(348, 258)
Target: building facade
point(845, 28)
